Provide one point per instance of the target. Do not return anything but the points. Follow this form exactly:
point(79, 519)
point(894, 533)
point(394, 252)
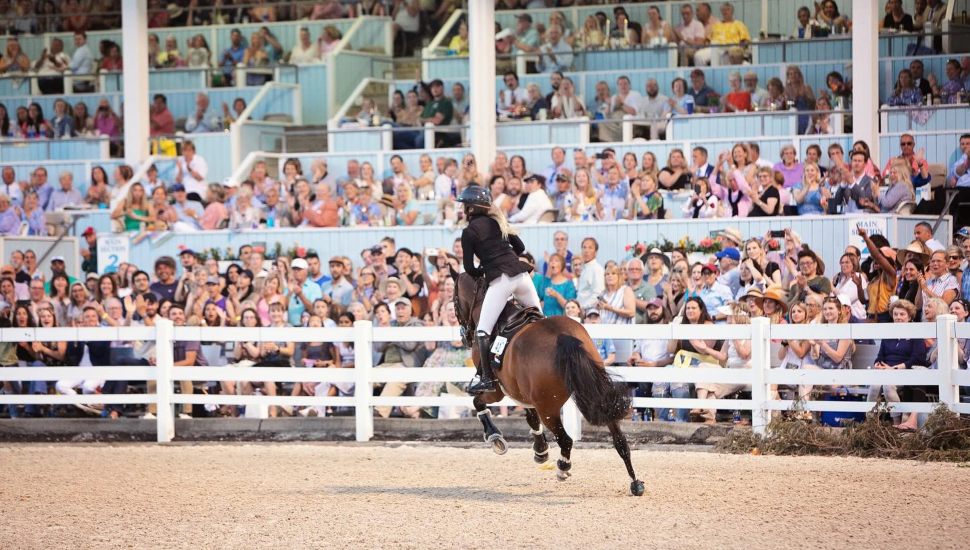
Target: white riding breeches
point(498, 293)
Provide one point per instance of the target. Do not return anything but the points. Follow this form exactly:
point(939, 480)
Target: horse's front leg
point(492, 434)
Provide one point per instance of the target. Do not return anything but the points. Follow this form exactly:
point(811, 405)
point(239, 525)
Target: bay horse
point(546, 362)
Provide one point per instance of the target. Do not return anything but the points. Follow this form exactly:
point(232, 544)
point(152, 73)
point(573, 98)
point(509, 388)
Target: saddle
point(514, 318)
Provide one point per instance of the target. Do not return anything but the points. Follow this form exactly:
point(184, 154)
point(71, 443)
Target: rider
point(489, 237)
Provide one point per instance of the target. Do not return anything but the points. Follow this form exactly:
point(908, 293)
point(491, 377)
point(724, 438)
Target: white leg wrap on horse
point(486, 412)
point(536, 432)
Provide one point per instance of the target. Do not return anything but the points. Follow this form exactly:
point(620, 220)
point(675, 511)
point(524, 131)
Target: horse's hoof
point(541, 458)
point(499, 445)
point(636, 487)
point(562, 475)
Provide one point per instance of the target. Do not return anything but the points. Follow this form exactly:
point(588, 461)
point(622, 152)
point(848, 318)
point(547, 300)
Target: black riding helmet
point(476, 195)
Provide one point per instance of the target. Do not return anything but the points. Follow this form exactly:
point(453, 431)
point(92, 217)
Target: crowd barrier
point(760, 377)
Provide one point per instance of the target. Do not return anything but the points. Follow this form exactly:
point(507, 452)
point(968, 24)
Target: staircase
point(408, 68)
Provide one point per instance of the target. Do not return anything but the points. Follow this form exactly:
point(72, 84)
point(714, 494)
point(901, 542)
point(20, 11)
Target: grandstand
point(211, 158)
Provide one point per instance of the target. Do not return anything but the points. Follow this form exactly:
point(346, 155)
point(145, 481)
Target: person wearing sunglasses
point(916, 159)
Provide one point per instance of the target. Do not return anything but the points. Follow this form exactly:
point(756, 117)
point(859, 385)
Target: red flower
point(259, 249)
point(300, 252)
point(628, 248)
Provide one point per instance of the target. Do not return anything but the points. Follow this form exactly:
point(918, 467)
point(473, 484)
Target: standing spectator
point(407, 24)
point(809, 194)
point(302, 291)
point(52, 64)
point(789, 166)
point(161, 121)
point(233, 55)
point(202, 120)
point(82, 64)
point(198, 55)
point(399, 354)
point(591, 281)
point(898, 354)
point(191, 171)
point(555, 288)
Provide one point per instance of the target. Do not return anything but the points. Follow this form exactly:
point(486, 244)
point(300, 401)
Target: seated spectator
point(459, 102)
point(134, 211)
point(645, 202)
point(202, 120)
point(896, 19)
point(705, 98)
point(690, 35)
point(188, 212)
point(656, 32)
point(459, 43)
point(809, 194)
point(83, 123)
point(654, 107)
point(169, 57)
point(806, 27)
point(680, 101)
point(229, 117)
point(111, 59)
point(624, 32)
point(198, 55)
point(565, 102)
point(215, 214)
point(526, 38)
point(900, 189)
point(737, 100)
point(555, 54)
point(15, 60)
point(828, 17)
point(591, 36)
point(905, 93)
point(751, 85)
point(305, 51)
point(774, 99)
point(258, 54)
point(676, 175)
point(67, 195)
point(536, 203)
point(62, 124)
point(329, 40)
point(916, 160)
point(726, 32)
point(536, 107)
point(439, 112)
point(949, 93)
point(821, 123)
point(37, 126)
point(513, 97)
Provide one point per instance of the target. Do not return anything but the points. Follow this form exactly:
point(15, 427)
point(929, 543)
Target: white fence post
point(760, 363)
point(164, 361)
point(363, 362)
point(572, 420)
point(627, 127)
point(947, 359)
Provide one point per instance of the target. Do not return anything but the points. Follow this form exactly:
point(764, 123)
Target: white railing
point(760, 377)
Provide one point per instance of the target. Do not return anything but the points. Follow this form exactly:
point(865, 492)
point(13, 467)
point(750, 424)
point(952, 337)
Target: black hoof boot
point(636, 488)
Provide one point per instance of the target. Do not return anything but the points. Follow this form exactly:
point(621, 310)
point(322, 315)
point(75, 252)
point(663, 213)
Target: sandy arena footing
point(297, 495)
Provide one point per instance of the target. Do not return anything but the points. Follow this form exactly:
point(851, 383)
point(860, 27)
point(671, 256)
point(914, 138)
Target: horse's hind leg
point(492, 434)
point(623, 449)
point(539, 445)
point(554, 423)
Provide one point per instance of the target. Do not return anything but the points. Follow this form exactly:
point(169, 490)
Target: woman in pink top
point(216, 213)
point(731, 185)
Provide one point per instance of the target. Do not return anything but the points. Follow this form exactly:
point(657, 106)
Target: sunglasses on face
point(905, 143)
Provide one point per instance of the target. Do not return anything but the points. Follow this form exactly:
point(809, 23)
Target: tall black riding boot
point(487, 381)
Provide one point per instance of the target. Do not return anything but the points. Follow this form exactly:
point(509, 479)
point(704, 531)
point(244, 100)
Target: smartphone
point(428, 252)
point(778, 234)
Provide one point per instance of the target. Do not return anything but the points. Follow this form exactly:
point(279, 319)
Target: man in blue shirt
point(39, 183)
point(189, 212)
point(703, 95)
point(82, 63)
point(302, 291)
point(233, 55)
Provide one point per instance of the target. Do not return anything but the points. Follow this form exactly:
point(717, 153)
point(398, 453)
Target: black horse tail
point(599, 398)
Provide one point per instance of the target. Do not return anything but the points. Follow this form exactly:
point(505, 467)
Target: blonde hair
point(498, 215)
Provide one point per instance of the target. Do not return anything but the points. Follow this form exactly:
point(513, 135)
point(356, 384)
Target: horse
point(544, 364)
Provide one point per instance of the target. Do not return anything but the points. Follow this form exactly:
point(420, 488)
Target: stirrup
point(483, 385)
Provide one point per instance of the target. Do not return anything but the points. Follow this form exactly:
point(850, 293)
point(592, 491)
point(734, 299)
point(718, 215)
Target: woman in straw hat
point(774, 304)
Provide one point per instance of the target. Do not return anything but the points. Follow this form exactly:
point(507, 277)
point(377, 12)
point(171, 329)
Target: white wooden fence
point(760, 377)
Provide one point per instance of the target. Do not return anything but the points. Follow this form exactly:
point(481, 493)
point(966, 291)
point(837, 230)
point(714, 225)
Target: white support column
point(760, 363)
point(164, 361)
point(134, 32)
point(363, 361)
point(947, 359)
point(865, 74)
point(481, 44)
